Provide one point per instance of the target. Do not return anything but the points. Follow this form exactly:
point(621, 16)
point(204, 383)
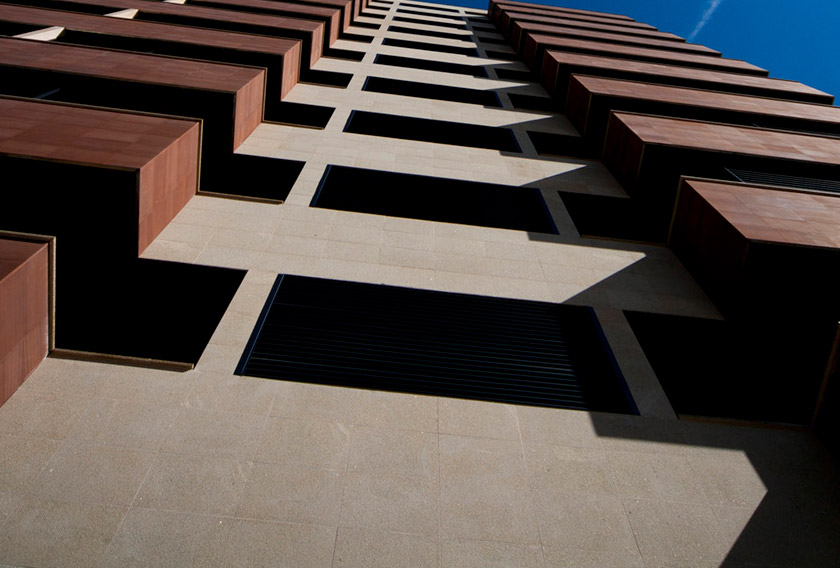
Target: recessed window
point(532, 102)
point(429, 65)
point(430, 33)
point(469, 51)
point(433, 199)
point(454, 25)
point(430, 14)
point(299, 114)
point(427, 130)
point(380, 337)
point(432, 91)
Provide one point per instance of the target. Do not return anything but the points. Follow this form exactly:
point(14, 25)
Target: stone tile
point(372, 548)
point(558, 427)
point(581, 558)
point(52, 533)
point(477, 418)
point(21, 460)
point(655, 476)
point(480, 554)
point(283, 492)
point(584, 521)
point(728, 480)
point(258, 544)
point(96, 474)
point(62, 376)
point(124, 423)
point(390, 502)
point(394, 452)
point(159, 388)
point(560, 469)
point(625, 432)
point(195, 484)
point(676, 534)
point(397, 410)
point(9, 502)
point(220, 434)
point(484, 491)
point(149, 537)
point(306, 443)
point(315, 402)
point(219, 392)
point(42, 414)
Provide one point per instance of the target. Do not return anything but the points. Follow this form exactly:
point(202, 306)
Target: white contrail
point(707, 15)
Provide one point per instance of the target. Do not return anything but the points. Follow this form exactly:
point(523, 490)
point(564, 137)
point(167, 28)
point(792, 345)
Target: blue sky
point(793, 39)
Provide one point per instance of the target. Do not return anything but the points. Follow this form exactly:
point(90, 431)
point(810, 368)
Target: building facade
point(358, 283)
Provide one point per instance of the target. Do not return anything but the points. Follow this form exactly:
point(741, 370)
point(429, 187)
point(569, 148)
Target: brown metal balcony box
point(281, 57)
point(330, 16)
point(537, 44)
point(758, 248)
point(309, 32)
point(155, 158)
point(591, 99)
point(24, 311)
point(509, 19)
point(497, 8)
point(558, 66)
point(228, 98)
point(648, 154)
point(520, 28)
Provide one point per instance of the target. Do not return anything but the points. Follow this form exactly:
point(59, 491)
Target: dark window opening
point(346, 54)
point(428, 65)
point(436, 131)
point(430, 14)
point(441, 8)
point(504, 55)
point(524, 76)
point(300, 114)
point(432, 91)
point(553, 144)
point(373, 15)
point(742, 371)
point(326, 78)
point(469, 51)
point(409, 19)
point(601, 216)
point(430, 33)
point(433, 199)
point(357, 37)
point(492, 40)
point(532, 102)
point(366, 25)
point(435, 343)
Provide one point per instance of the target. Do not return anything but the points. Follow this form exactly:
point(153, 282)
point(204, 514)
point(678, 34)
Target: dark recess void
point(438, 131)
point(611, 217)
point(430, 33)
point(432, 91)
point(429, 14)
point(454, 25)
point(107, 300)
point(393, 42)
point(428, 65)
point(440, 8)
point(300, 114)
point(515, 75)
point(434, 343)
point(531, 102)
point(433, 199)
point(753, 370)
